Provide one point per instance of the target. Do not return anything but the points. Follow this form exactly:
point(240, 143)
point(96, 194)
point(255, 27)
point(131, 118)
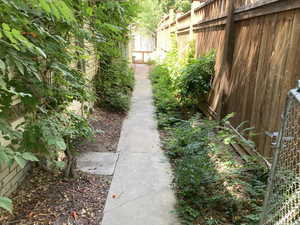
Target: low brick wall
point(11, 178)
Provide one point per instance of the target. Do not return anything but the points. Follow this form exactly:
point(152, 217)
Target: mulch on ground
point(108, 126)
point(49, 198)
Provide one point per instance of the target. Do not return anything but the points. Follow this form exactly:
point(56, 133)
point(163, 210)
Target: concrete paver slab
point(100, 163)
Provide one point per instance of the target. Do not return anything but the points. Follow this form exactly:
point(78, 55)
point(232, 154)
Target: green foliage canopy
point(42, 71)
point(150, 15)
point(177, 5)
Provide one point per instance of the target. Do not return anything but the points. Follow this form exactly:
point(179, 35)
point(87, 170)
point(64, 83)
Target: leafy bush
point(212, 187)
point(114, 81)
point(181, 84)
point(114, 85)
point(183, 5)
point(196, 77)
point(163, 90)
point(55, 134)
point(41, 40)
point(178, 5)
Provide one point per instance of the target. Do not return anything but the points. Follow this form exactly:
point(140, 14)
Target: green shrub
point(180, 87)
point(178, 5)
point(163, 90)
point(42, 67)
point(114, 85)
point(211, 186)
point(168, 107)
point(195, 80)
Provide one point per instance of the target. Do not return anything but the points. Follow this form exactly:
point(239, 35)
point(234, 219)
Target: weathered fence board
point(265, 62)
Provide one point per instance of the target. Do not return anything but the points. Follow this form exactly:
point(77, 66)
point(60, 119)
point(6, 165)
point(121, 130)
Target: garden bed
point(46, 198)
point(108, 126)
point(49, 198)
point(213, 186)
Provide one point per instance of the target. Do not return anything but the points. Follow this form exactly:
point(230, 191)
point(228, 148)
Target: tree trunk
point(71, 165)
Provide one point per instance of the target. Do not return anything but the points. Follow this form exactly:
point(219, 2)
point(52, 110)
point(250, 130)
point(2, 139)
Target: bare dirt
point(108, 126)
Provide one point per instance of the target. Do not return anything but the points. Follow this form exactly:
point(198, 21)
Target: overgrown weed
point(114, 85)
point(212, 186)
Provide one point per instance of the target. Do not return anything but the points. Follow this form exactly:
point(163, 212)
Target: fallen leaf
point(74, 215)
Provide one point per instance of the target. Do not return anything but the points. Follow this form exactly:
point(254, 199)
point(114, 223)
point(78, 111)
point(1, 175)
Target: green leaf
point(16, 47)
point(59, 164)
point(20, 161)
point(58, 142)
point(5, 27)
point(55, 11)
point(2, 66)
point(66, 12)
point(89, 11)
point(227, 140)
point(6, 204)
point(10, 163)
point(45, 6)
point(29, 157)
point(3, 85)
point(17, 34)
point(8, 33)
point(20, 67)
point(3, 156)
point(10, 37)
point(41, 52)
point(228, 117)
point(38, 76)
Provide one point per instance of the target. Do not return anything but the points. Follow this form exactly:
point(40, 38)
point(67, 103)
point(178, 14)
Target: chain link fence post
point(282, 199)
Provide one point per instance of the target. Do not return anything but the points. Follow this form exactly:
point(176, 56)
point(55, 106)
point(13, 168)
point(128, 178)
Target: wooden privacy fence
point(258, 57)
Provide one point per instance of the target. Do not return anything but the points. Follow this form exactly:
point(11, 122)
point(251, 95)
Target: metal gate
point(282, 200)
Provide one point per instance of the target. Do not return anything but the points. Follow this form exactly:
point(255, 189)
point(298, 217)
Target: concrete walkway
point(140, 193)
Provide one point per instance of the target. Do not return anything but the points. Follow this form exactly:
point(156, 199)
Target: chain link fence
point(282, 201)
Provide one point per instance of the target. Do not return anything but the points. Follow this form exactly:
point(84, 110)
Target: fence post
point(222, 81)
point(193, 19)
point(172, 16)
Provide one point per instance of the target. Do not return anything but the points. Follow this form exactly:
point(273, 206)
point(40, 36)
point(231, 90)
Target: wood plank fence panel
point(183, 21)
point(212, 10)
point(265, 65)
point(241, 3)
point(182, 43)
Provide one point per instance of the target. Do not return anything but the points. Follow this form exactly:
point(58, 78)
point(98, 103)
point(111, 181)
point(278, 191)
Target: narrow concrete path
point(140, 193)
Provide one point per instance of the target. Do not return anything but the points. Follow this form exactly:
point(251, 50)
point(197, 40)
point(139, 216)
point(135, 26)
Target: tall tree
point(177, 5)
point(150, 15)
